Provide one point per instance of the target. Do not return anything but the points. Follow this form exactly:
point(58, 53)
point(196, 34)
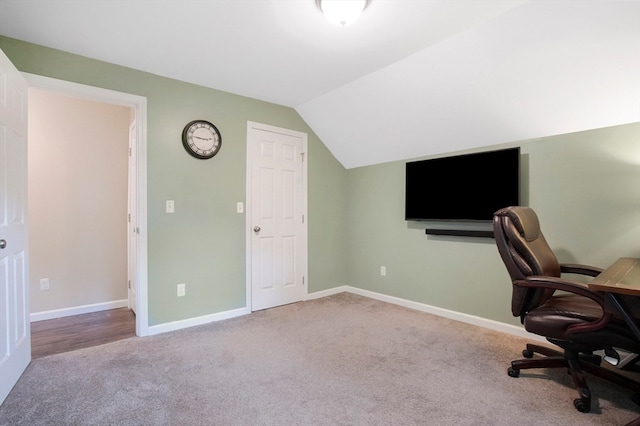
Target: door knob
point(256, 229)
point(3, 244)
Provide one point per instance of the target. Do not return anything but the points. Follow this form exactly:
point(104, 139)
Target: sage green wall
point(203, 243)
point(584, 186)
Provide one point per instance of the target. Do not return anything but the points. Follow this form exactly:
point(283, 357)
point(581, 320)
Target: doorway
point(137, 274)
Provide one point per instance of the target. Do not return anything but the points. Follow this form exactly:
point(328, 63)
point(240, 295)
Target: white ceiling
point(410, 78)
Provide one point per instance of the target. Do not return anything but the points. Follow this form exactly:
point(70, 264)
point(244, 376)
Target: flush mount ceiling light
point(342, 12)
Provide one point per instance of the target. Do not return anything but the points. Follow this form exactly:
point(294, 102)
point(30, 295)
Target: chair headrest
point(524, 219)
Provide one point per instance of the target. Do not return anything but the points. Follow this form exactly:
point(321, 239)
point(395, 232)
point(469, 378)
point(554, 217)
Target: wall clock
point(201, 139)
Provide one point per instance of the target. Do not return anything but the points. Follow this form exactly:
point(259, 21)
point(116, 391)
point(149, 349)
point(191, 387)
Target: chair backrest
point(525, 252)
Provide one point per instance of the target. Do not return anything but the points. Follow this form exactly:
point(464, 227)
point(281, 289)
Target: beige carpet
point(340, 360)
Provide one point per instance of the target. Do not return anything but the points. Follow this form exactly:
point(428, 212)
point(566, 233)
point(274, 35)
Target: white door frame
point(139, 105)
point(248, 206)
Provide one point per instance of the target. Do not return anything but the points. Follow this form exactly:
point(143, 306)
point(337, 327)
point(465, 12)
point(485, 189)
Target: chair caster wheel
point(527, 353)
point(582, 405)
point(512, 372)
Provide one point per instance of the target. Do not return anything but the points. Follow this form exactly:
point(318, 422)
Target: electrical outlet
point(239, 207)
point(44, 284)
point(383, 271)
point(181, 290)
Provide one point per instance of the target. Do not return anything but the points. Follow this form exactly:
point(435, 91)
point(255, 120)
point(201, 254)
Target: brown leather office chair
point(564, 311)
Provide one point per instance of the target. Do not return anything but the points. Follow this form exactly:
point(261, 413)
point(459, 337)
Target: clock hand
point(204, 139)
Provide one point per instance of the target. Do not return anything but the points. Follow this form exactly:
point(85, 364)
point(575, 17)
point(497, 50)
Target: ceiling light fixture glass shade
point(342, 12)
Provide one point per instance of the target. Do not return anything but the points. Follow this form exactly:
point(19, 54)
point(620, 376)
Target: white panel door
point(277, 208)
point(15, 331)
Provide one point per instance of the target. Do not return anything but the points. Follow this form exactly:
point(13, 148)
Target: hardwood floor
point(81, 331)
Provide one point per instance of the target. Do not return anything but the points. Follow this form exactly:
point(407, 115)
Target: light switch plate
point(170, 206)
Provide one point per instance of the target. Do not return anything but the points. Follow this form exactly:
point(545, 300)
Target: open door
point(15, 331)
point(132, 222)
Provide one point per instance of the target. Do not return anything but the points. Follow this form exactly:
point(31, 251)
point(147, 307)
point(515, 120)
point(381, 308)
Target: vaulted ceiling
point(410, 78)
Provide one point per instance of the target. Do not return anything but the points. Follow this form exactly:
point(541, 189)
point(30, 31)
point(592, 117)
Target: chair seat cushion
point(556, 315)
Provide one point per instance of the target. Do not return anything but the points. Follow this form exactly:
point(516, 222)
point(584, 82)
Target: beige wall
point(78, 172)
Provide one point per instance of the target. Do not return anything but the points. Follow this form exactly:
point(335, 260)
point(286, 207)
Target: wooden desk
point(621, 284)
point(623, 277)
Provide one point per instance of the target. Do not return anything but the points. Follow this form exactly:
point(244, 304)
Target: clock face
point(201, 139)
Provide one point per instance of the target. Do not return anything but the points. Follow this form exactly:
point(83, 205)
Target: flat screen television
point(468, 187)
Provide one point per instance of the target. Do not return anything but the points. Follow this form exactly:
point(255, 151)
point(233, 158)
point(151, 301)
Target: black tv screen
point(468, 187)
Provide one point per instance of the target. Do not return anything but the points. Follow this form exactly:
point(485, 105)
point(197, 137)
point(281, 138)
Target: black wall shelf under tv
point(460, 232)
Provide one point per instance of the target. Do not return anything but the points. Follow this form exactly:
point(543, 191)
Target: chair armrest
point(574, 268)
point(555, 283)
point(574, 287)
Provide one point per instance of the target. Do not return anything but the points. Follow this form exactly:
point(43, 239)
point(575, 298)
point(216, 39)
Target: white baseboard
point(330, 292)
point(458, 316)
point(205, 319)
point(78, 310)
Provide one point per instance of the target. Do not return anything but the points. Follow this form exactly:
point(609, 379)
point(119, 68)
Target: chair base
point(576, 363)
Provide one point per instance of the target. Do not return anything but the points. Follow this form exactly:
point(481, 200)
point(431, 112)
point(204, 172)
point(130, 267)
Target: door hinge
point(129, 284)
point(302, 218)
point(129, 217)
point(302, 156)
point(303, 280)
